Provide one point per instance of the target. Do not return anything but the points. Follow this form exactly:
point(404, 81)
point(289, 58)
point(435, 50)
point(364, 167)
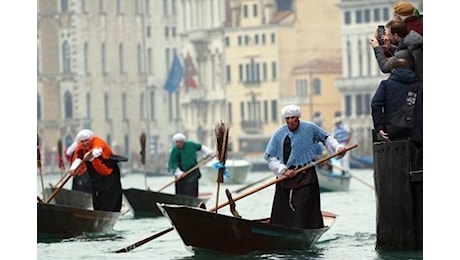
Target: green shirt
point(184, 158)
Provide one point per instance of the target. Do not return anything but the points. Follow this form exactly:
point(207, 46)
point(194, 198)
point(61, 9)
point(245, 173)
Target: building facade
point(102, 65)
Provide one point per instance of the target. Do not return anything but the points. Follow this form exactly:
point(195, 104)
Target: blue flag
point(175, 74)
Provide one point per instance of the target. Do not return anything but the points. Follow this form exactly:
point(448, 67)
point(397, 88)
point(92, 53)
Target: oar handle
point(189, 171)
point(58, 189)
point(281, 178)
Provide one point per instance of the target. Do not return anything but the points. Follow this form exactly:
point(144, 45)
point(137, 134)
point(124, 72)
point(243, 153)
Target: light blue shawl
point(302, 143)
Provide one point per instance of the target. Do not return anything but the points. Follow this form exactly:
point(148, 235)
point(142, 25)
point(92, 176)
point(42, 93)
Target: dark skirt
point(297, 202)
point(106, 189)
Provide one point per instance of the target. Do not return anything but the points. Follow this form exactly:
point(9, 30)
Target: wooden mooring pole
point(399, 196)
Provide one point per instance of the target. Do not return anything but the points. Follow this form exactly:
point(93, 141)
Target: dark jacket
point(391, 95)
point(413, 40)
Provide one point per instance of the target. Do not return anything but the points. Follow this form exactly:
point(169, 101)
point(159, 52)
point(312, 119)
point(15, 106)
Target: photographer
point(400, 40)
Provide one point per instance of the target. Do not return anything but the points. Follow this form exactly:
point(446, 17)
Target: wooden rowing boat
point(331, 178)
point(72, 198)
point(202, 230)
point(57, 222)
point(143, 202)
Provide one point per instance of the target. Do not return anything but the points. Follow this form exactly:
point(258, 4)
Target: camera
point(380, 33)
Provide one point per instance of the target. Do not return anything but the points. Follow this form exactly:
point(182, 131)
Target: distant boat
point(238, 170)
point(57, 222)
point(143, 202)
point(203, 231)
point(332, 179)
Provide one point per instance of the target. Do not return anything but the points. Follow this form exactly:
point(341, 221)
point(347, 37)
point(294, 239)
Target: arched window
point(124, 102)
point(86, 56)
point(66, 57)
point(142, 106)
point(64, 6)
point(139, 58)
point(88, 105)
point(103, 61)
point(120, 58)
point(68, 111)
point(39, 107)
point(106, 106)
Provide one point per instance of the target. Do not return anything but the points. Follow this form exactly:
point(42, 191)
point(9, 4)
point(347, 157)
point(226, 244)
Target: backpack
point(416, 51)
point(403, 119)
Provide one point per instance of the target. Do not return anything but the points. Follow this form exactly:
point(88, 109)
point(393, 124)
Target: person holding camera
point(401, 44)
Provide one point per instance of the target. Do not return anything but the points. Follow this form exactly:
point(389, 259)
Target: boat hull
point(143, 202)
point(72, 198)
point(203, 230)
point(238, 171)
point(55, 222)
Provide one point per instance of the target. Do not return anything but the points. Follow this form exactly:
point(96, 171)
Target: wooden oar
point(58, 189)
point(39, 165)
point(352, 175)
point(306, 167)
point(189, 171)
point(158, 234)
point(66, 179)
point(253, 183)
point(143, 139)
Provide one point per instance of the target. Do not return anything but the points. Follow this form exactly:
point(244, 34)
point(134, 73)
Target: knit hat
point(84, 135)
point(179, 137)
point(290, 110)
point(403, 8)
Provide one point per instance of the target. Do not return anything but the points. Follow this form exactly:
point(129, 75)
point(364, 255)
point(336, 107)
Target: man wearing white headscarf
point(95, 156)
point(182, 158)
point(297, 199)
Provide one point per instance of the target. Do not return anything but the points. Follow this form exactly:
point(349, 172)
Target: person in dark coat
point(293, 145)
point(389, 97)
point(95, 156)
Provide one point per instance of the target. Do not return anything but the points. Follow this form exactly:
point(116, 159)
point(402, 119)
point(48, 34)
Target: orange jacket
point(98, 163)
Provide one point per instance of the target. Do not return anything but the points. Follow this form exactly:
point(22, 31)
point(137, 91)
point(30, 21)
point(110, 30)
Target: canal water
point(353, 236)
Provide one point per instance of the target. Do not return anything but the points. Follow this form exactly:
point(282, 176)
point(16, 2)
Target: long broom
point(221, 132)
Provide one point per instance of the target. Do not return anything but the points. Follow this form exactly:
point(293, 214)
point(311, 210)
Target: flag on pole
point(175, 74)
point(190, 73)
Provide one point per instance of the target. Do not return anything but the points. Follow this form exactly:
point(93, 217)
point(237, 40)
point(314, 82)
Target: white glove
point(178, 172)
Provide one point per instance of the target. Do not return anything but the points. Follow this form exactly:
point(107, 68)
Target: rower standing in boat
point(98, 160)
point(182, 158)
point(296, 201)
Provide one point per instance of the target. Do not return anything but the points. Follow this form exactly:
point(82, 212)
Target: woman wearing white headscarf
point(94, 155)
point(297, 199)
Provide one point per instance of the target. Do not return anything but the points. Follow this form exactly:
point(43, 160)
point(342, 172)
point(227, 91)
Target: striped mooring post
point(398, 177)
